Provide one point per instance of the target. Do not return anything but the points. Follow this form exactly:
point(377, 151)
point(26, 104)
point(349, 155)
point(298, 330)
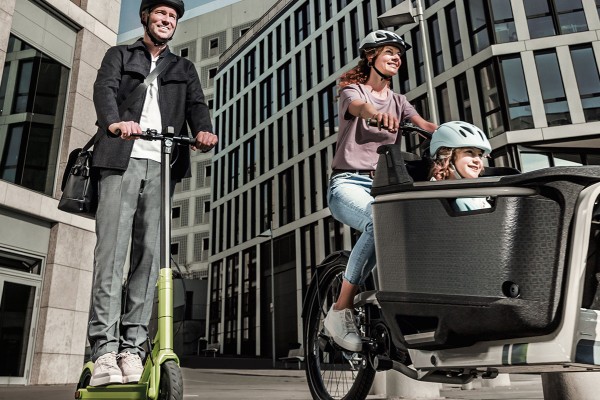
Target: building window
point(285, 85)
point(588, 81)
point(478, 24)
point(551, 17)
point(464, 101)
point(532, 160)
point(213, 44)
point(517, 98)
point(266, 98)
point(419, 63)
point(553, 91)
point(216, 288)
point(175, 249)
point(454, 35)
point(184, 52)
point(354, 32)
point(266, 204)
point(331, 62)
point(490, 99)
point(504, 22)
point(286, 197)
point(302, 16)
point(436, 45)
point(443, 102)
point(32, 101)
point(249, 302)
point(211, 76)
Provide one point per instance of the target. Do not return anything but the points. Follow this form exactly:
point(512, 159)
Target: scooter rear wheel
point(171, 382)
point(331, 372)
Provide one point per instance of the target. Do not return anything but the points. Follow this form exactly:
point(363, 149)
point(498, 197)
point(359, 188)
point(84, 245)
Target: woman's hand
point(385, 121)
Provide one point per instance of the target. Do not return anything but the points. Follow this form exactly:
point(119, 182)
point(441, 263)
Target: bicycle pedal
point(325, 343)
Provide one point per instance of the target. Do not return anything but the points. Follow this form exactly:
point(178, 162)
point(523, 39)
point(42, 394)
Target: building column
point(64, 308)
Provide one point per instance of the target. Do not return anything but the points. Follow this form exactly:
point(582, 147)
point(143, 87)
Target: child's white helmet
point(455, 134)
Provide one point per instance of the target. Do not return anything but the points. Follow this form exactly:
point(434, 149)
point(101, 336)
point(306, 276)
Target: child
point(457, 150)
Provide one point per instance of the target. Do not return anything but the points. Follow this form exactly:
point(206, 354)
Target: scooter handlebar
point(152, 134)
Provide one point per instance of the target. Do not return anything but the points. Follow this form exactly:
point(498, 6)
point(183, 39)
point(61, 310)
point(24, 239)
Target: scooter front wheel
point(171, 382)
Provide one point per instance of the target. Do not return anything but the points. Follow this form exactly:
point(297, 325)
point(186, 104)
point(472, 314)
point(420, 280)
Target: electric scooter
point(459, 295)
point(161, 378)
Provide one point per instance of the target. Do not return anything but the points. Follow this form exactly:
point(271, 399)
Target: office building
point(524, 71)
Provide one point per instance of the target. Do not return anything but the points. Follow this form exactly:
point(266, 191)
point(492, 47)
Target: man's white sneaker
point(340, 326)
point(131, 367)
point(106, 370)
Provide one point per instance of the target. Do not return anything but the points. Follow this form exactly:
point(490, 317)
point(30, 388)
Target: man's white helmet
point(455, 134)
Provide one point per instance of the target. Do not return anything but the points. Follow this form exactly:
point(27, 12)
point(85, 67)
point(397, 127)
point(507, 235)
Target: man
point(129, 184)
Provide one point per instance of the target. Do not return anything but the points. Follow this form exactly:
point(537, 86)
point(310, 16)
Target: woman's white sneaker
point(341, 327)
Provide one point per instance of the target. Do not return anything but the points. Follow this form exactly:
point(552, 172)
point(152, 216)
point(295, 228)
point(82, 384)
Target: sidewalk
point(279, 384)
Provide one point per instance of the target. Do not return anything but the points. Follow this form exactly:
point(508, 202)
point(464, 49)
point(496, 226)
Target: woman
point(370, 117)
point(457, 150)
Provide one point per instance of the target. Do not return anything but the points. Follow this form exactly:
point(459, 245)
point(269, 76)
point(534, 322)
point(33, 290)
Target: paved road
point(212, 384)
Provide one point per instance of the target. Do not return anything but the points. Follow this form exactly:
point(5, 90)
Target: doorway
point(20, 283)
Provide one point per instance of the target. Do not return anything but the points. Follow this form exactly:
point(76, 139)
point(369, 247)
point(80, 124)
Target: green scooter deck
point(114, 392)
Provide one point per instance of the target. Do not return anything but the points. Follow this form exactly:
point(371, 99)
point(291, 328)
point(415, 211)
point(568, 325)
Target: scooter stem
point(165, 281)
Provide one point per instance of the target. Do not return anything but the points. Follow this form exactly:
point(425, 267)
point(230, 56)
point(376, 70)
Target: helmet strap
point(381, 74)
point(455, 171)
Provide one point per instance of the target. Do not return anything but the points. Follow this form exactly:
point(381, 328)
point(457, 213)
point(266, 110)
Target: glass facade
point(33, 93)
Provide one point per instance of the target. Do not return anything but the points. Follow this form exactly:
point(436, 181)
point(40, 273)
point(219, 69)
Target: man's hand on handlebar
point(125, 129)
point(205, 141)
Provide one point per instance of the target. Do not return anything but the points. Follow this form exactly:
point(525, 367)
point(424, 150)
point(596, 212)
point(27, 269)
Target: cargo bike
point(461, 295)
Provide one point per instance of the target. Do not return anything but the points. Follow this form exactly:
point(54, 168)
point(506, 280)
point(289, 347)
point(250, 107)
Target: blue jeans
point(349, 198)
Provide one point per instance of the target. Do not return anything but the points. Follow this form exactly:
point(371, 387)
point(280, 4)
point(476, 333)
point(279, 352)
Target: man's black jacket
point(181, 100)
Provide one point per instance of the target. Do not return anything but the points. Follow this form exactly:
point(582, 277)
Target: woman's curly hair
point(360, 73)
point(441, 167)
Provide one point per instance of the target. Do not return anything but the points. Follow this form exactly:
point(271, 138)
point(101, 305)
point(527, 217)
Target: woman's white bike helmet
point(382, 38)
point(455, 134)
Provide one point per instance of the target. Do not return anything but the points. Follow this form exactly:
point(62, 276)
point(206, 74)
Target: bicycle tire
point(331, 372)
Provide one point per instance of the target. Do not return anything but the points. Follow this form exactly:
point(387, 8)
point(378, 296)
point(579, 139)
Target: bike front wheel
point(332, 372)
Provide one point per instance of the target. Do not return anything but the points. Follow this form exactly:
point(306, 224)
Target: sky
point(130, 9)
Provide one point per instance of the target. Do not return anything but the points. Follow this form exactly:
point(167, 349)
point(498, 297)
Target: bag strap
point(141, 88)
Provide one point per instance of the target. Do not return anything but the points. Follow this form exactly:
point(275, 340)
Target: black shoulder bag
point(79, 183)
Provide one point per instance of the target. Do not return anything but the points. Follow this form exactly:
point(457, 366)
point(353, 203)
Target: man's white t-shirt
point(150, 119)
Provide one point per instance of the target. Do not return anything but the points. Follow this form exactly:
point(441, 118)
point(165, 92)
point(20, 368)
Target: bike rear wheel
point(332, 373)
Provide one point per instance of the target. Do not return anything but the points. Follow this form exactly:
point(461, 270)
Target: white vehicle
point(459, 295)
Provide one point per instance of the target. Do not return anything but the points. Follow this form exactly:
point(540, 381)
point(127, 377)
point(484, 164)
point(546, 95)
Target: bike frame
point(162, 346)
